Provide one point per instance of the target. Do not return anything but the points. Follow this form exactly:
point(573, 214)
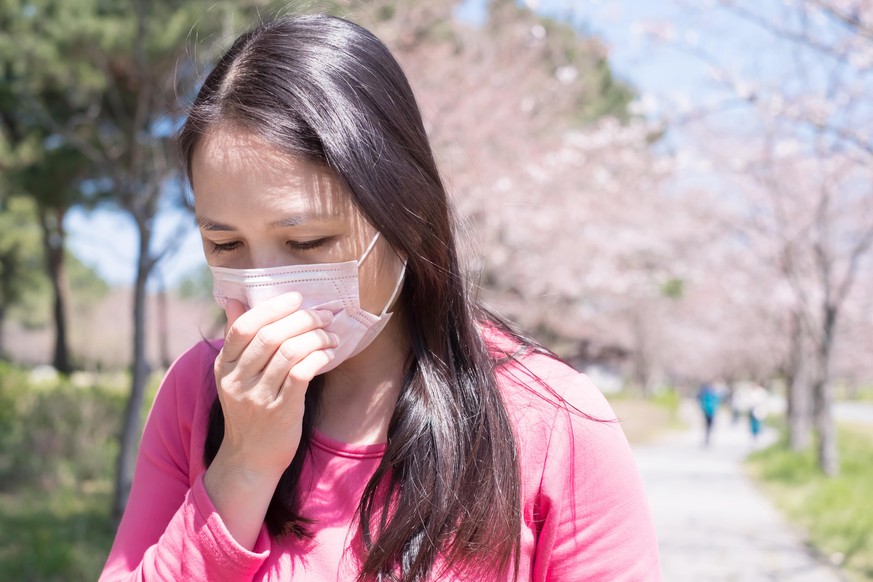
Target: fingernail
point(330, 353)
point(325, 316)
point(334, 338)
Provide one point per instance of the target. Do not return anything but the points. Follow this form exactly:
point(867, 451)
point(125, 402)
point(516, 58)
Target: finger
point(246, 325)
point(294, 351)
point(268, 339)
point(233, 309)
point(301, 374)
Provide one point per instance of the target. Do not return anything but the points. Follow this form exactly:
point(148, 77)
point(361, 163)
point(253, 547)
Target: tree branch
point(785, 33)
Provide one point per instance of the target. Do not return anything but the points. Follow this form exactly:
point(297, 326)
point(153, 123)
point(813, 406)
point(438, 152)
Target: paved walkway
point(713, 524)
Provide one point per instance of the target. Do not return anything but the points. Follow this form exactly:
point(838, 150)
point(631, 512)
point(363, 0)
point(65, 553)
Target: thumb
point(233, 309)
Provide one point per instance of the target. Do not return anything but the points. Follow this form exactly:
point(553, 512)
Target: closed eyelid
point(220, 248)
point(311, 244)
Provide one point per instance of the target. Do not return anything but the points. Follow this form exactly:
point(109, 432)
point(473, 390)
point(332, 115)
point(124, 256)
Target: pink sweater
point(585, 514)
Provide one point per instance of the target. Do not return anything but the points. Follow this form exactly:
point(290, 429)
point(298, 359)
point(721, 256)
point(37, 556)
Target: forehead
point(230, 163)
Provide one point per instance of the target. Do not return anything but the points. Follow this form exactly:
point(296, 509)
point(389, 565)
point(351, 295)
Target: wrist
point(241, 496)
point(237, 469)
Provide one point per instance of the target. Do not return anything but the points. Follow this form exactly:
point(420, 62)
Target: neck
point(359, 396)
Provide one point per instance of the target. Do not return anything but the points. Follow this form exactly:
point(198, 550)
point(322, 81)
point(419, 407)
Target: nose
point(266, 258)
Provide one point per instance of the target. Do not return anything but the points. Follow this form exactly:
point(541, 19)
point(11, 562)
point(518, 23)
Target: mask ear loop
point(396, 290)
point(369, 248)
point(399, 280)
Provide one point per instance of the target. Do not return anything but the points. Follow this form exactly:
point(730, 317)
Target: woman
point(364, 418)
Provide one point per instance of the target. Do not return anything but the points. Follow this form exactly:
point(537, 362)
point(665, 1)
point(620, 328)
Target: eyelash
point(307, 245)
point(220, 248)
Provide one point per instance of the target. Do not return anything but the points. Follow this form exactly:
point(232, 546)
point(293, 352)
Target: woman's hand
point(270, 355)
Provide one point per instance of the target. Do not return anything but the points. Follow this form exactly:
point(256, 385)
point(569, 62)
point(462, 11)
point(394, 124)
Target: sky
point(107, 241)
point(663, 76)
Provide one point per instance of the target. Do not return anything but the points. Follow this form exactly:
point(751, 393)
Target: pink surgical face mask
point(330, 286)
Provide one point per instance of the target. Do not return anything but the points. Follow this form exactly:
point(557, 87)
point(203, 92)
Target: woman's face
point(258, 207)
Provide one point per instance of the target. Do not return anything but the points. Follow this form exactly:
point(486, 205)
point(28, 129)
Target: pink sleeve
point(170, 529)
point(596, 523)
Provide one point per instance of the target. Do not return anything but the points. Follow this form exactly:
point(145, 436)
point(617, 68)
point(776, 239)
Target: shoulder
point(561, 420)
point(583, 499)
point(533, 380)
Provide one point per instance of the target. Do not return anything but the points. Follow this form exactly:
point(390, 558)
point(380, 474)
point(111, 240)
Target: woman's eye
point(219, 248)
point(305, 245)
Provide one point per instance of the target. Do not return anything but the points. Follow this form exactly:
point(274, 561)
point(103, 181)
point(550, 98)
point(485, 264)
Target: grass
point(836, 512)
point(63, 536)
point(865, 394)
point(58, 446)
point(645, 419)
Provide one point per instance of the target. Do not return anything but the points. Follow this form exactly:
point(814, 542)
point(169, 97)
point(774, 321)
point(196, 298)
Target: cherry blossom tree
point(581, 236)
point(534, 135)
point(801, 172)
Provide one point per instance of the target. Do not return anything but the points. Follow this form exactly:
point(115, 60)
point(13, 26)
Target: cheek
point(370, 286)
point(378, 281)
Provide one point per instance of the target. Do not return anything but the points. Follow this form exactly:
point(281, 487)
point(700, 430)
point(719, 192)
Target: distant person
point(709, 399)
point(364, 417)
point(739, 402)
point(758, 406)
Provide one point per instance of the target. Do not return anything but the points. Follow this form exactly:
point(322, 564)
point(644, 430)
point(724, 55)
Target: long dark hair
point(447, 490)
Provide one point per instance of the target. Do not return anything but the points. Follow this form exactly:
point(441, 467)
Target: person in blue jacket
point(709, 400)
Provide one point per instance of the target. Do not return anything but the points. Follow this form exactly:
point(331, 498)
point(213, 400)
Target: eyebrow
point(294, 220)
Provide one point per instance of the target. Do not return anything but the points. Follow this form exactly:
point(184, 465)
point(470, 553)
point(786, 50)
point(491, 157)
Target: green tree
point(97, 81)
point(20, 260)
point(34, 163)
point(54, 182)
point(144, 65)
point(577, 61)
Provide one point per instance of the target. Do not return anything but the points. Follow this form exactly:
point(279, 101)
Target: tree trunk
point(828, 459)
point(2, 325)
point(53, 237)
point(8, 270)
point(142, 206)
point(163, 324)
point(139, 373)
point(641, 361)
point(799, 413)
